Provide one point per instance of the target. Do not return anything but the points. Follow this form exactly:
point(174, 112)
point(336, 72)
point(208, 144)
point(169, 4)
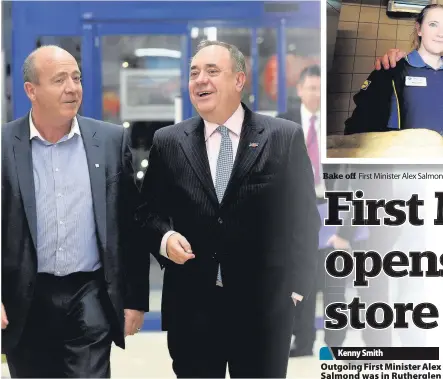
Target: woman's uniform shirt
point(407, 96)
point(422, 94)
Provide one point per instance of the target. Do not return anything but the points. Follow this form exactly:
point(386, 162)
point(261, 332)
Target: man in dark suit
point(68, 282)
point(230, 214)
point(306, 112)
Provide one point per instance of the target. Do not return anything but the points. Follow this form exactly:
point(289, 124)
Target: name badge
point(415, 81)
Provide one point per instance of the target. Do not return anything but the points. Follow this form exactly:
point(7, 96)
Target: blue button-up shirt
point(66, 233)
point(422, 94)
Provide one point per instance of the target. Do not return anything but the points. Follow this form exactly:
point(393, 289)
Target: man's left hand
point(133, 321)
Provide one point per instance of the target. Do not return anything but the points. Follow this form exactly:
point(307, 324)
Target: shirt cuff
point(296, 297)
point(163, 243)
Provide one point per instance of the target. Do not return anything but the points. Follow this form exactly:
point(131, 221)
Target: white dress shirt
point(213, 141)
point(306, 124)
point(33, 132)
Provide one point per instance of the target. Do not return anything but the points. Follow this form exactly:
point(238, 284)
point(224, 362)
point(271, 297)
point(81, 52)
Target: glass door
point(133, 72)
point(140, 77)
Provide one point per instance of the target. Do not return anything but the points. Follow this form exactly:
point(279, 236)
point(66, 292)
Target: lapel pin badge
point(253, 144)
point(97, 165)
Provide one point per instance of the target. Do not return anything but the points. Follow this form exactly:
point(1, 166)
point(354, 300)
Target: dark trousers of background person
point(67, 333)
point(334, 290)
point(304, 330)
point(377, 291)
point(216, 337)
point(412, 289)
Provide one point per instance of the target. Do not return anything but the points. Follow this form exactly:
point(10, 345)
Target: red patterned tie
point(313, 151)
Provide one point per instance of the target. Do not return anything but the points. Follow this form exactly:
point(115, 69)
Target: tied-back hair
point(416, 39)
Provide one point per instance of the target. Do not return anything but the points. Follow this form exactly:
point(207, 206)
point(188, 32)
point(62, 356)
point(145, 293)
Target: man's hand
point(338, 243)
point(390, 59)
point(5, 321)
point(133, 321)
point(178, 249)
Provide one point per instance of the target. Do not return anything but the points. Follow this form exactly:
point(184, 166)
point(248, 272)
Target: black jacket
point(373, 101)
point(264, 233)
point(113, 192)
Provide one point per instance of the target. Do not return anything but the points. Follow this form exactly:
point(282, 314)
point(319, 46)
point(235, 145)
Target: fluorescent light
point(415, 6)
point(194, 33)
point(211, 34)
point(158, 53)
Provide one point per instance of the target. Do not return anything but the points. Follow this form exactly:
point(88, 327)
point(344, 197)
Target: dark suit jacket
point(113, 192)
point(264, 233)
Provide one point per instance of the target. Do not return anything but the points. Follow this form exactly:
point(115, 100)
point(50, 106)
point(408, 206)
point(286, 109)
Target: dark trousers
point(333, 290)
point(217, 338)
point(67, 333)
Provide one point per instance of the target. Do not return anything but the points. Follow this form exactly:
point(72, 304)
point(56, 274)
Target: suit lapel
point(252, 141)
point(194, 147)
point(25, 173)
point(95, 154)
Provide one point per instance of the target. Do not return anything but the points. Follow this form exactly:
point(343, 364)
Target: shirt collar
point(234, 123)
point(305, 114)
point(33, 132)
point(415, 60)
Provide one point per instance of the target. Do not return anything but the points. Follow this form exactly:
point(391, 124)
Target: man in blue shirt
point(68, 281)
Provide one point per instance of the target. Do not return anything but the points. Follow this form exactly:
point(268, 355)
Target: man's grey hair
point(30, 73)
point(238, 59)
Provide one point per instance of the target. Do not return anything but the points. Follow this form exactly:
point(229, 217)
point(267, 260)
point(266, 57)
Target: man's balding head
point(53, 83)
point(37, 57)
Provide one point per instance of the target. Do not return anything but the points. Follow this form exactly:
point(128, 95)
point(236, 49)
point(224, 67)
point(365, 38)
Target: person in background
point(379, 239)
point(69, 279)
point(307, 114)
point(408, 95)
point(230, 214)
